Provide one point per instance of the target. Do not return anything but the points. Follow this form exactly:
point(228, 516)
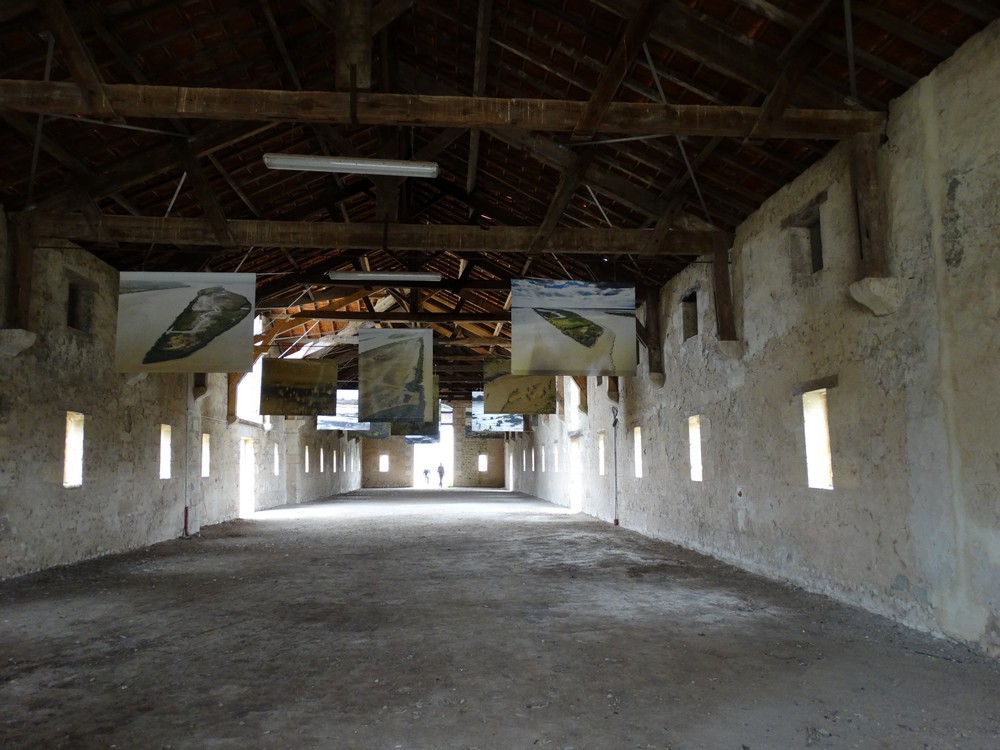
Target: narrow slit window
point(483, 462)
point(333, 463)
point(694, 447)
point(524, 459)
point(73, 455)
point(383, 462)
point(600, 454)
point(322, 461)
point(206, 454)
point(637, 436)
point(816, 419)
point(277, 462)
point(305, 461)
point(555, 458)
point(164, 451)
point(532, 459)
point(542, 449)
point(689, 315)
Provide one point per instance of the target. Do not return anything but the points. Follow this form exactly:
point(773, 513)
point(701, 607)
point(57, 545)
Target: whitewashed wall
point(912, 527)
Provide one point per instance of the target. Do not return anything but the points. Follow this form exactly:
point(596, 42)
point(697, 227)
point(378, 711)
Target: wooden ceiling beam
point(455, 238)
point(134, 100)
point(479, 84)
point(401, 317)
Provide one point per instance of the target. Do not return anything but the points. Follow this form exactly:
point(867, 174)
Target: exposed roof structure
point(577, 139)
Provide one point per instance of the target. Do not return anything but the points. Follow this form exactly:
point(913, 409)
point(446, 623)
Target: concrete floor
point(461, 619)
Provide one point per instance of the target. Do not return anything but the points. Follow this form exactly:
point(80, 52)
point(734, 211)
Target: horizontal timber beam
point(553, 115)
point(398, 317)
point(455, 238)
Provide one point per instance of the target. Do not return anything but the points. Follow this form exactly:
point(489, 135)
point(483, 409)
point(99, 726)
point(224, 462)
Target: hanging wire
point(599, 206)
point(41, 121)
point(680, 143)
point(121, 125)
point(170, 207)
point(240, 265)
point(849, 38)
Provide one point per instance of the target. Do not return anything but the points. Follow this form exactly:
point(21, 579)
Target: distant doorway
point(428, 456)
point(248, 474)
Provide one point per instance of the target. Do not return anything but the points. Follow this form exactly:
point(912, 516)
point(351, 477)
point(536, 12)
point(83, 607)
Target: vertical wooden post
point(725, 317)
point(654, 334)
point(22, 266)
point(870, 209)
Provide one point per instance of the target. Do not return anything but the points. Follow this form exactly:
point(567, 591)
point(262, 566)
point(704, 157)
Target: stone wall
point(123, 503)
point(468, 451)
point(400, 467)
point(911, 527)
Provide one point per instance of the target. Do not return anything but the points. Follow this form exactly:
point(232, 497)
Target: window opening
point(73, 454)
point(164, 451)
point(637, 436)
point(600, 454)
point(306, 460)
point(383, 462)
point(816, 419)
point(694, 447)
point(206, 454)
point(689, 314)
point(483, 462)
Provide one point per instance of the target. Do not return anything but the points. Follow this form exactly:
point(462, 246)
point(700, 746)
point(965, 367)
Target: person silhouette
point(427, 476)
point(440, 475)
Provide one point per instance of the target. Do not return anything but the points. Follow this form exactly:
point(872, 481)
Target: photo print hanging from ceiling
point(482, 422)
point(516, 394)
point(572, 328)
point(298, 387)
point(395, 375)
point(185, 322)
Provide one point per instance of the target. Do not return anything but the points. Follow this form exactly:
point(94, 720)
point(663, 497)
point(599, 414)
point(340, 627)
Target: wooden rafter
point(133, 100)
point(261, 233)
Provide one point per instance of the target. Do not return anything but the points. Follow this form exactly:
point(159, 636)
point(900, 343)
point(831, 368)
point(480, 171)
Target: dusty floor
point(461, 620)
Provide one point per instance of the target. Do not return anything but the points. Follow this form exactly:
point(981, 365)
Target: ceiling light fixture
point(383, 276)
point(351, 165)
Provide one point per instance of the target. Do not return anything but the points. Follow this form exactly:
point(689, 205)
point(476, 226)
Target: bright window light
point(383, 462)
point(542, 449)
point(694, 446)
point(819, 462)
point(73, 456)
point(306, 461)
point(600, 454)
point(524, 460)
point(637, 436)
point(483, 462)
point(532, 459)
point(206, 454)
point(333, 463)
point(164, 451)
point(277, 462)
point(555, 458)
point(322, 461)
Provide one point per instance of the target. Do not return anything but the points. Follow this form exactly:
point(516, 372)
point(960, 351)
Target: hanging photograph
point(482, 422)
point(394, 373)
point(298, 387)
point(185, 322)
point(472, 434)
point(572, 328)
point(516, 394)
point(345, 416)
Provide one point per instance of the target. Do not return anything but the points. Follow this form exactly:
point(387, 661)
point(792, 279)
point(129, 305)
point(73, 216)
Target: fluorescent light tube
point(350, 165)
point(380, 276)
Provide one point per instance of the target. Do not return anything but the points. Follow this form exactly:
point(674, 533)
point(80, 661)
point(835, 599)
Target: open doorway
point(428, 456)
point(575, 472)
point(248, 474)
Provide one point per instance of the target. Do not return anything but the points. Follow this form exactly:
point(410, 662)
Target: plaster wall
point(912, 527)
point(123, 503)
